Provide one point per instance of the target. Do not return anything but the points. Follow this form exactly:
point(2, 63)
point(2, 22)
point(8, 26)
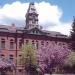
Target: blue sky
point(67, 7)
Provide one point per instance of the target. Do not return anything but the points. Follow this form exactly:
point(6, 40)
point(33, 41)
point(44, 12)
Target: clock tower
point(31, 17)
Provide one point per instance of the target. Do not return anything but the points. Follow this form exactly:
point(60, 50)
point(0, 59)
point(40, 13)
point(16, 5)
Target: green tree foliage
point(28, 59)
point(28, 55)
point(71, 59)
point(73, 35)
point(69, 66)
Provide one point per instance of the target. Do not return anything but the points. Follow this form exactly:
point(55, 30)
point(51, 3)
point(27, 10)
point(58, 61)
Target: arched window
point(2, 43)
point(11, 44)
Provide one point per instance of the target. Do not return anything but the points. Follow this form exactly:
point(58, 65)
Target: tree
point(73, 36)
point(71, 59)
point(53, 56)
point(28, 59)
point(69, 66)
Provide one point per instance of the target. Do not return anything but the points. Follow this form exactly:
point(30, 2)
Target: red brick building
point(12, 37)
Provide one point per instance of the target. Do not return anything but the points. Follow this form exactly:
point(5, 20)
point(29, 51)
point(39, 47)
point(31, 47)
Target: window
point(33, 21)
point(11, 44)
point(33, 42)
point(60, 44)
point(30, 22)
point(20, 55)
point(63, 43)
point(47, 43)
point(42, 42)
point(33, 31)
point(11, 57)
point(2, 43)
point(56, 42)
point(20, 70)
point(2, 56)
point(27, 41)
point(33, 9)
point(20, 43)
point(36, 32)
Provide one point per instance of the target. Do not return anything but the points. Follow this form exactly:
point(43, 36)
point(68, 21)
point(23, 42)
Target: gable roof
point(11, 29)
point(55, 34)
point(39, 31)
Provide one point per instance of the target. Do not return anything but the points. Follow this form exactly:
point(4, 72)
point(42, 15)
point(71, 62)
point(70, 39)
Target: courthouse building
point(12, 37)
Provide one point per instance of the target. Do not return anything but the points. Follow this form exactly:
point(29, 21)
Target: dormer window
point(36, 32)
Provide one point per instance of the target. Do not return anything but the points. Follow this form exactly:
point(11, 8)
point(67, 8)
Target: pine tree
point(73, 36)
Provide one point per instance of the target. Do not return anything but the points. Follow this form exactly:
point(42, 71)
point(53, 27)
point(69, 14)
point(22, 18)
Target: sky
point(54, 15)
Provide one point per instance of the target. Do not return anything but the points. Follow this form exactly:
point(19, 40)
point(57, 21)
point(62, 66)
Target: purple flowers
point(55, 52)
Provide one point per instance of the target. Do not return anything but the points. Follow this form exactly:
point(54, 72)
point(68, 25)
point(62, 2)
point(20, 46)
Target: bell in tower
point(31, 17)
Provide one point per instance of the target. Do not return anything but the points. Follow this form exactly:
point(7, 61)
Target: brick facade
point(14, 36)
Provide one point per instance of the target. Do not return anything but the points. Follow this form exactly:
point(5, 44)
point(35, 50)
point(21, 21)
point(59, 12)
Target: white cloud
point(15, 10)
point(49, 15)
point(64, 28)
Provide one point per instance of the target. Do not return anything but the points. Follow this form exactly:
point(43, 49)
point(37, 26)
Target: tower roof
point(32, 3)
point(31, 8)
